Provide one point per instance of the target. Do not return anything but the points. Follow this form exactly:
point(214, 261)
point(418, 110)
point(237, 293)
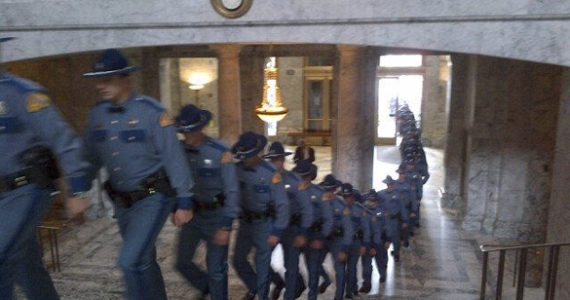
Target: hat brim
point(123, 71)
point(388, 181)
point(260, 144)
point(205, 117)
point(277, 155)
point(6, 39)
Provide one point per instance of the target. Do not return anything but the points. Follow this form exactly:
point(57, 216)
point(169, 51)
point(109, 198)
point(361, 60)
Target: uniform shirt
point(415, 180)
point(378, 226)
point(214, 171)
point(341, 220)
point(406, 192)
point(262, 189)
point(360, 222)
point(321, 210)
point(393, 205)
point(135, 140)
point(27, 119)
point(299, 207)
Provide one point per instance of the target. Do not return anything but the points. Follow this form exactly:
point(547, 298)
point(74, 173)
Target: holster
point(218, 202)
point(317, 226)
point(295, 220)
point(40, 166)
point(155, 183)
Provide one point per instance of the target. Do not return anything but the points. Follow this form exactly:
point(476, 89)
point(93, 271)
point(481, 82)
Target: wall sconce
point(271, 109)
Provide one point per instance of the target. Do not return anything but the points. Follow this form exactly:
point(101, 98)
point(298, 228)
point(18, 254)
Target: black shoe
point(277, 291)
point(411, 233)
point(249, 296)
point(323, 287)
point(417, 225)
point(348, 296)
point(406, 244)
point(382, 279)
point(300, 291)
point(396, 257)
point(365, 289)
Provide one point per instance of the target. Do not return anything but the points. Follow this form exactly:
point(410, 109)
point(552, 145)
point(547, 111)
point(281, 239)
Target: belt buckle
point(152, 191)
point(21, 181)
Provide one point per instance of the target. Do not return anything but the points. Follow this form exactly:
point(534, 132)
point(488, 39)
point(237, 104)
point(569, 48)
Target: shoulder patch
point(37, 101)
point(276, 178)
point(346, 211)
point(227, 157)
point(165, 120)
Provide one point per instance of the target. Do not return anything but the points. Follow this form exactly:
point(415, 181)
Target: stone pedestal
point(229, 92)
point(353, 117)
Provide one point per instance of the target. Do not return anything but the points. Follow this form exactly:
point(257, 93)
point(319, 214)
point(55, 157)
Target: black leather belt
point(155, 183)
point(295, 220)
point(218, 202)
point(14, 181)
point(250, 216)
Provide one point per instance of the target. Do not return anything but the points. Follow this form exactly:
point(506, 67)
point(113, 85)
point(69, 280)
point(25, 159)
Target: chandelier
point(271, 109)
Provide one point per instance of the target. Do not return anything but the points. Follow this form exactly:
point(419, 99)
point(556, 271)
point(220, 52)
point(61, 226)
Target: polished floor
point(442, 262)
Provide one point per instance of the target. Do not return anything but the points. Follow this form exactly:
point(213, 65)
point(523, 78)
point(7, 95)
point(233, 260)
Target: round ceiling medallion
point(231, 8)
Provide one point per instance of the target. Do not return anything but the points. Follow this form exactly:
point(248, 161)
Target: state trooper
point(396, 213)
point(32, 131)
point(416, 183)
point(407, 193)
point(341, 236)
point(294, 236)
point(134, 138)
point(361, 237)
point(265, 213)
point(378, 242)
point(216, 200)
point(322, 222)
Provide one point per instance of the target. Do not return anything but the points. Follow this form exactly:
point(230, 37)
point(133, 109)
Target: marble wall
point(528, 29)
point(559, 210)
point(434, 109)
point(291, 80)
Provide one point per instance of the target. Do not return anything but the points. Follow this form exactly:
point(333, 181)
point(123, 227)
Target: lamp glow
point(271, 109)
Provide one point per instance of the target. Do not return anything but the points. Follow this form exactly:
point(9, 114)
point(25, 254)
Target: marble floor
point(442, 262)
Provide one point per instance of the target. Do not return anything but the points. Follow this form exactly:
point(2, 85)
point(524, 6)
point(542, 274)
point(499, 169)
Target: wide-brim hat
point(346, 189)
point(389, 180)
point(305, 168)
point(248, 145)
point(192, 119)
point(111, 62)
point(276, 150)
point(401, 168)
point(371, 195)
point(6, 39)
point(330, 182)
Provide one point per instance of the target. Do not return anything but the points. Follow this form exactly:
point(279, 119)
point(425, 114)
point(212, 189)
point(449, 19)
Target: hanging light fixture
point(271, 109)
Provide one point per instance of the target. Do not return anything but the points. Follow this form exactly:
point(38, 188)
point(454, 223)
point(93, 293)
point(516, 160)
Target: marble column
point(353, 115)
point(453, 199)
point(229, 92)
point(150, 73)
point(251, 69)
point(559, 210)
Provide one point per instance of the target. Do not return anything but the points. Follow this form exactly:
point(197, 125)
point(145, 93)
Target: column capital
point(227, 50)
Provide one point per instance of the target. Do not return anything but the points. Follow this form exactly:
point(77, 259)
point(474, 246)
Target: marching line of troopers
point(202, 184)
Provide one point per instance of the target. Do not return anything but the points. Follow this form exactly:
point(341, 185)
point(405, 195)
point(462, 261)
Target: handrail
point(520, 267)
point(495, 248)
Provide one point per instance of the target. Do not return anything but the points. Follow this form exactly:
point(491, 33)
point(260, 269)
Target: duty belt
point(218, 202)
point(249, 215)
point(317, 226)
point(337, 232)
point(14, 181)
point(295, 220)
point(358, 235)
point(155, 183)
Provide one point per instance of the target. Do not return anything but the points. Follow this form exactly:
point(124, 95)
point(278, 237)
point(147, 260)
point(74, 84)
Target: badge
point(132, 122)
point(3, 108)
point(313, 197)
point(36, 102)
point(208, 162)
point(287, 186)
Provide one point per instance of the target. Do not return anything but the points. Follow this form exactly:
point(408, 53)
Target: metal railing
point(520, 268)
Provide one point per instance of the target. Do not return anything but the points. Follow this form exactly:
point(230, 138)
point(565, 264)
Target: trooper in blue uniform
point(396, 213)
point(264, 213)
point(407, 193)
point(216, 199)
point(294, 237)
point(372, 210)
point(31, 131)
point(361, 237)
point(322, 221)
point(341, 236)
point(134, 138)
